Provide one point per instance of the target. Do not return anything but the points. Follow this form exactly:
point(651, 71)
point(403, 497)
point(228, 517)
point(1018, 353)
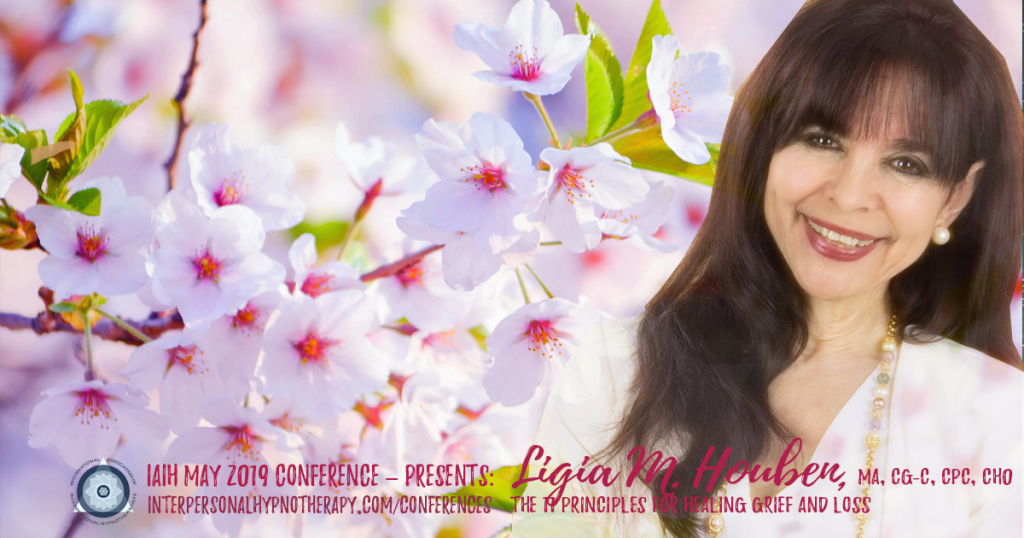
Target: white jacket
point(952, 408)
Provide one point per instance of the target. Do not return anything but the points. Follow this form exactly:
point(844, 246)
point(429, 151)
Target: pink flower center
point(373, 415)
point(247, 320)
point(487, 176)
point(287, 423)
point(91, 245)
point(677, 101)
point(412, 274)
point(543, 338)
point(186, 357)
point(573, 183)
point(313, 348)
point(242, 442)
point(231, 191)
point(207, 267)
point(458, 451)
point(316, 285)
point(524, 64)
point(92, 405)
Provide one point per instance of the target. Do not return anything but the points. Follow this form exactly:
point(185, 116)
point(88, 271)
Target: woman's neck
point(849, 328)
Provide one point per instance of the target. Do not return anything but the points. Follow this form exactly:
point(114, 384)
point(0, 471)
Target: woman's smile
point(838, 243)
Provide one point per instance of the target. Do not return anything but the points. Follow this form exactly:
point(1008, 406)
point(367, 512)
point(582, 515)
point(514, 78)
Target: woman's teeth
point(840, 239)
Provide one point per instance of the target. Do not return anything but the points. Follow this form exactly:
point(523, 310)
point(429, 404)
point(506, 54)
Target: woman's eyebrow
point(913, 146)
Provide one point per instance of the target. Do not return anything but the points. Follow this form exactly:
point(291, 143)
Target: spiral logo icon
point(103, 491)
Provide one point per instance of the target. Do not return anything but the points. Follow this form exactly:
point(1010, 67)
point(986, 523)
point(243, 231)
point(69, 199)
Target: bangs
point(891, 80)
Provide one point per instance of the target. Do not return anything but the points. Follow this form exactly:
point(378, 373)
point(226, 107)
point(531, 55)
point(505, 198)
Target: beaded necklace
point(890, 349)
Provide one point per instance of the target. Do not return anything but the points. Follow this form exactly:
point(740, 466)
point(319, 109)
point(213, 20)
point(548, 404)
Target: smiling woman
point(849, 288)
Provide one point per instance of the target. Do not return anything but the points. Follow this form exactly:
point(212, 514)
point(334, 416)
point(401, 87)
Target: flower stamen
point(574, 184)
point(411, 274)
point(676, 100)
point(487, 176)
point(316, 285)
point(313, 348)
point(92, 405)
point(207, 267)
point(543, 338)
point(185, 356)
point(524, 65)
point(231, 190)
point(91, 245)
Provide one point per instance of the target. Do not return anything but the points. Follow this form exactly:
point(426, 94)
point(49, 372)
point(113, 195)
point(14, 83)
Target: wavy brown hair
point(732, 317)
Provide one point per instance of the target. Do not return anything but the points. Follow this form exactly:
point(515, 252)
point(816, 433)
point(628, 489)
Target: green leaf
point(327, 234)
point(63, 308)
point(498, 488)
point(86, 201)
point(72, 131)
point(635, 101)
point(56, 202)
point(604, 78)
point(647, 150)
point(35, 173)
point(480, 334)
point(11, 127)
point(102, 119)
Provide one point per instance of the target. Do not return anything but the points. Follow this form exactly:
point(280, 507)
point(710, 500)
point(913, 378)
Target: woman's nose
point(853, 186)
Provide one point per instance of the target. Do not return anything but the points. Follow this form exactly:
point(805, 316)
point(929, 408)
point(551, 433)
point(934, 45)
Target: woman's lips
point(833, 251)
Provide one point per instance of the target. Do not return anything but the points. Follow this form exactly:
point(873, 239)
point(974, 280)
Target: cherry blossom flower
point(316, 351)
point(10, 165)
point(418, 293)
point(464, 264)
point(413, 426)
point(688, 94)
point(531, 345)
point(487, 181)
point(374, 160)
point(314, 282)
point(480, 207)
point(178, 363)
point(580, 178)
point(640, 223)
point(209, 266)
point(102, 254)
point(239, 437)
point(224, 174)
point(313, 436)
point(483, 435)
point(85, 420)
point(236, 341)
point(530, 54)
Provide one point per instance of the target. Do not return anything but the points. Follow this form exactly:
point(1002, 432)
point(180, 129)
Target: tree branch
point(158, 322)
point(45, 323)
point(179, 100)
point(393, 268)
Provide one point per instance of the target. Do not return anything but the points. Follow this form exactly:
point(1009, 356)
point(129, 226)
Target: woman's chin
point(832, 286)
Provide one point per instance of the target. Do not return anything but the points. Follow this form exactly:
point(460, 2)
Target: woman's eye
point(824, 141)
point(907, 166)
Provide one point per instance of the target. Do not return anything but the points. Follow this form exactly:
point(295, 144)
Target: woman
point(849, 287)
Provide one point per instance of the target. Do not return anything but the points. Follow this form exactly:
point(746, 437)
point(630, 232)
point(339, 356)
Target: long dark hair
point(732, 317)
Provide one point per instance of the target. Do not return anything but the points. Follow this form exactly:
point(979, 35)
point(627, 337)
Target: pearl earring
point(940, 236)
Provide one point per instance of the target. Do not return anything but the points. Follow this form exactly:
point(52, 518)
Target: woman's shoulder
point(975, 401)
point(602, 365)
point(966, 371)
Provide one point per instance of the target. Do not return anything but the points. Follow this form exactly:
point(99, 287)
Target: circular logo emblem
point(103, 491)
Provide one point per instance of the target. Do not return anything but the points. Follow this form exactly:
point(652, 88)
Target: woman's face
point(849, 214)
